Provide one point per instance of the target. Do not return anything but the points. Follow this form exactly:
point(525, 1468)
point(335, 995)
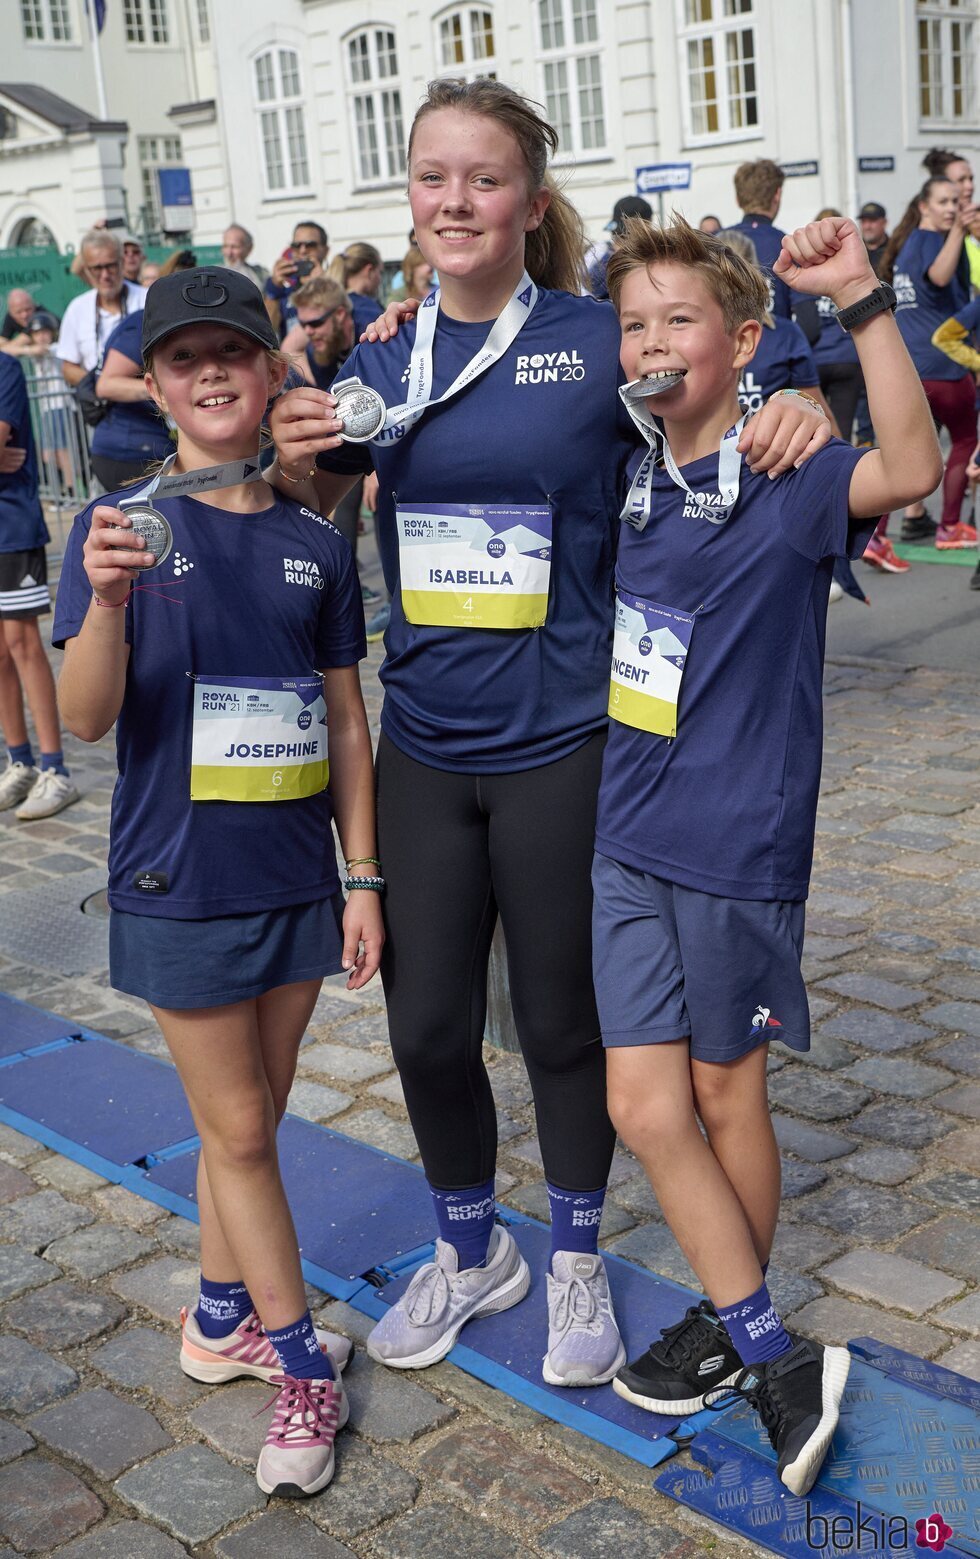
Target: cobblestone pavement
point(108, 1452)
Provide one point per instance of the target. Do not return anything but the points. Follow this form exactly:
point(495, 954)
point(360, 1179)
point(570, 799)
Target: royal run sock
point(465, 1220)
point(22, 754)
point(575, 1219)
point(222, 1307)
point(299, 1351)
point(755, 1328)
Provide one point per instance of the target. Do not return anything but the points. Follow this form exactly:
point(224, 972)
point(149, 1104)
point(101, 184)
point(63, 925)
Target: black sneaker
point(797, 1396)
point(918, 528)
point(677, 1372)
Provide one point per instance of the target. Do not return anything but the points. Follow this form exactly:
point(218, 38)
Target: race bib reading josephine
point(650, 648)
point(258, 739)
point(474, 565)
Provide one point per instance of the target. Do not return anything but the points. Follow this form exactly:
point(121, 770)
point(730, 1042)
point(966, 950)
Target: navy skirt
point(211, 963)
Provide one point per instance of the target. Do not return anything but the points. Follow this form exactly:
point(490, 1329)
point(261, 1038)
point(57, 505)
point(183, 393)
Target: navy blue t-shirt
point(728, 805)
point(365, 310)
point(22, 526)
point(768, 242)
point(923, 307)
point(782, 361)
point(238, 596)
point(324, 374)
point(544, 425)
point(131, 430)
point(833, 345)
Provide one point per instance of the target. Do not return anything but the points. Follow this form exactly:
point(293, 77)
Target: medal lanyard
point(207, 479)
point(504, 331)
point(639, 502)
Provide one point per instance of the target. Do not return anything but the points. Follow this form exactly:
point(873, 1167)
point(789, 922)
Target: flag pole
point(90, 8)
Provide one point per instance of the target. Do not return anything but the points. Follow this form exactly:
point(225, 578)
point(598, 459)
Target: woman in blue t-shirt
point(927, 264)
point(133, 433)
point(359, 269)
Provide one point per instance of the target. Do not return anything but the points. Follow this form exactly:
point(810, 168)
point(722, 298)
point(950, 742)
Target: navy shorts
point(672, 963)
point(182, 964)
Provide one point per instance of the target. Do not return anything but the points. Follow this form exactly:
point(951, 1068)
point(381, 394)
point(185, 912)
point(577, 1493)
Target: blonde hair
point(741, 244)
point(352, 260)
point(554, 252)
point(323, 293)
point(736, 284)
point(758, 183)
point(413, 259)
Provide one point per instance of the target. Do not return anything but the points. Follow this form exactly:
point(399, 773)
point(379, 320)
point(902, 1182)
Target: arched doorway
point(32, 233)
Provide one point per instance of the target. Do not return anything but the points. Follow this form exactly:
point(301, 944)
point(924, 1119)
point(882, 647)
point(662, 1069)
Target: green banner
point(46, 274)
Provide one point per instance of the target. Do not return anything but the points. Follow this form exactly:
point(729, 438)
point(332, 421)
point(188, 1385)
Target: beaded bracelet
point(372, 884)
point(801, 395)
point(297, 479)
point(363, 860)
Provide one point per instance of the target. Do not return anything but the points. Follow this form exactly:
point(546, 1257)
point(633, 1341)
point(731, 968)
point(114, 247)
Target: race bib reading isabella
point(474, 565)
point(649, 654)
point(258, 739)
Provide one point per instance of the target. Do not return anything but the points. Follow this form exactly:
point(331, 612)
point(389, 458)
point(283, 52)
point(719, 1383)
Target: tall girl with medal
point(501, 463)
point(228, 664)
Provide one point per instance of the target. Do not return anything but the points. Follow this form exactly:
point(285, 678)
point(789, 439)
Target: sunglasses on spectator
point(305, 243)
point(321, 319)
point(109, 265)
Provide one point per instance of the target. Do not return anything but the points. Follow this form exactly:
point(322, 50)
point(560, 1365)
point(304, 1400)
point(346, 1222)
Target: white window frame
point(570, 54)
point(43, 18)
point(153, 152)
point(288, 110)
point(148, 17)
point(717, 29)
point(202, 22)
point(944, 16)
point(472, 66)
point(382, 93)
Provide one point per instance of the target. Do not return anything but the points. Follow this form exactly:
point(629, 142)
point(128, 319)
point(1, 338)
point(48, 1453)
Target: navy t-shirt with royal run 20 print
point(266, 595)
point(923, 307)
point(131, 430)
point(728, 805)
point(544, 425)
point(782, 361)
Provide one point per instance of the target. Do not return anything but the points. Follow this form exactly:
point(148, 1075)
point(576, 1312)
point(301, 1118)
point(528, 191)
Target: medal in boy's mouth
point(653, 383)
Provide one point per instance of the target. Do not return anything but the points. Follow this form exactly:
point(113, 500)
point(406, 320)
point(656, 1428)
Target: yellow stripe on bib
point(451, 609)
point(267, 782)
point(642, 710)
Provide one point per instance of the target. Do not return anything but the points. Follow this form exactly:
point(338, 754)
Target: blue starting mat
point(354, 1208)
point(24, 1028)
point(506, 1350)
point(902, 1453)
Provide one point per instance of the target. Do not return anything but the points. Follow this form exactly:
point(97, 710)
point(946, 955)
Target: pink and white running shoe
point(298, 1458)
point(245, 1351)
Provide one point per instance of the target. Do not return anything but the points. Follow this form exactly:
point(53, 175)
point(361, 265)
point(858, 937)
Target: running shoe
point(297, 1458)
point(50, 793)
point(371, 597)
point(836, 592)
point(798, 1397)
point(422, 1327)
point(584, 1345)
point(16, 782)
point(377, 626)
point(949, 537)
point(679, 1371)
point(918, 527)
point(881, 554)
point(246, 1351)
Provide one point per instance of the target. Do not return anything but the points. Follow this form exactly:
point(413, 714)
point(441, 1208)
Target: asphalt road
point(927, 617)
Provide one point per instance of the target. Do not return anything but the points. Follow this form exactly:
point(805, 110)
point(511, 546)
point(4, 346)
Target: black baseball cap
point(872, 212)
point(204, 296)
point(629, 206)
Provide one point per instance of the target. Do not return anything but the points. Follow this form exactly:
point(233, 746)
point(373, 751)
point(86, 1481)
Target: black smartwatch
point(876, 302)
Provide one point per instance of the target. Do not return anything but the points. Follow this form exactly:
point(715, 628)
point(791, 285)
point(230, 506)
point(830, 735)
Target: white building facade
point(301, 110)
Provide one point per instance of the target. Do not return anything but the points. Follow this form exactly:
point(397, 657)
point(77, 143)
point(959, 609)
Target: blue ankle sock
point(299, 1352)
point(755, 1328)
point(222, 1307)
point(465, 1220)
point(53, 760)
point(575, 1217)
point(22, 754)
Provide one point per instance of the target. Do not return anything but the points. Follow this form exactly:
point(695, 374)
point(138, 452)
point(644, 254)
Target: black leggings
point(842, 384)
point(458, 848)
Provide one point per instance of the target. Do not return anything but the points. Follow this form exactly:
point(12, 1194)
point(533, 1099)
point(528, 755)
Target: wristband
point(111, 606)
point(800, 395)
point(297, 479)
point(372, 884)
point(363, 860)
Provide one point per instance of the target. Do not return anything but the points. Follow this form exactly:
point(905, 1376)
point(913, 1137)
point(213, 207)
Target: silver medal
point(642, 389)
point(361, 410)
point(154, 528)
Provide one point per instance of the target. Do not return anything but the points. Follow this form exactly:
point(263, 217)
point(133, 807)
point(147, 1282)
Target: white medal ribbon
point(504, 331)
point(638, 507)
point(207, 479)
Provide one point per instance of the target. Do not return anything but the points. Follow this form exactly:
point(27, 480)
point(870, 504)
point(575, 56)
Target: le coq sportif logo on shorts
point(561, 367)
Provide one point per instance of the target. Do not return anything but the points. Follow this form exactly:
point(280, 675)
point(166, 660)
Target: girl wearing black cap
point(226, 907)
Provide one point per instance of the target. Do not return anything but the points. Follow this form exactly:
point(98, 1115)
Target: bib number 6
point(277, 778)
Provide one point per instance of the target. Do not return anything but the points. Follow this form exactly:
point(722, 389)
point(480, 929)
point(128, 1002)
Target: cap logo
point(207, 292)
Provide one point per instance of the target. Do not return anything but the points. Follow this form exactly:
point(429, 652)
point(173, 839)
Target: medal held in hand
point(154, 528)
point(361, 410)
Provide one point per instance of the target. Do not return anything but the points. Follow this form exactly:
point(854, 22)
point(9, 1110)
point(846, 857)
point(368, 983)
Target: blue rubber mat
point(902, 1452)
point(506, 1350)
point(24, 1028)
point(354, 1208)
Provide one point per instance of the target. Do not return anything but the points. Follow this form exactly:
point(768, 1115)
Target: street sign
point(176, 199)
point(800, 170)
point(876, 165)
point(660, 176)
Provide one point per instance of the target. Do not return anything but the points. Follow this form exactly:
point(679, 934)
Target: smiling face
point(215, 383)
point(471, 204)
point(937, 212)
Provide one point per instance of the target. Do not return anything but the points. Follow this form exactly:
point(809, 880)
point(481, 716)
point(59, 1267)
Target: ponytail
point(907, 226)
point(350, 261)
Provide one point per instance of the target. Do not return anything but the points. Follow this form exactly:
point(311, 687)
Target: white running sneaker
point(245, 1351)
point(297, 1458)
point(422, 1327)
point(16, 782)
point(584, 1345)
point(50, 793)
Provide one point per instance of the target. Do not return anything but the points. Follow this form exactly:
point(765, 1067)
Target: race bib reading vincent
point(474, 565)
point(258, 739)
point(649, 654)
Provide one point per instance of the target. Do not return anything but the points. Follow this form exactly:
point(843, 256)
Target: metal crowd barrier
point(66, 482)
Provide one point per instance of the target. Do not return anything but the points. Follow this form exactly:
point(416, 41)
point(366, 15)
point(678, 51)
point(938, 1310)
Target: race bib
point(650, 648)
point(474, 565)
point(258, 739)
